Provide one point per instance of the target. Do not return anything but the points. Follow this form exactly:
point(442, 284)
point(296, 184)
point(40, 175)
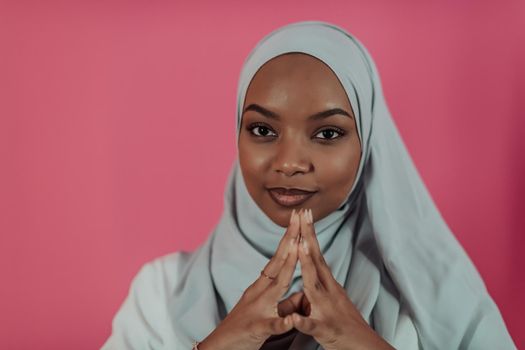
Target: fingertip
point(287, 324)
point(304, 222)
point(287, 320)
point(296, 220)
point(302, 214)
point(296, 317)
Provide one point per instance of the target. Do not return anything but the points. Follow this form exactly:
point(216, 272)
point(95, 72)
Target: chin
point(281, 217)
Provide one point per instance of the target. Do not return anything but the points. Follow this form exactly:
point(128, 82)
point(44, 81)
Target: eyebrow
point(320, 115)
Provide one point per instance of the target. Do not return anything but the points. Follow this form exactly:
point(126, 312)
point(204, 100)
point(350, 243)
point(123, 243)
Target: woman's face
point(298, 141)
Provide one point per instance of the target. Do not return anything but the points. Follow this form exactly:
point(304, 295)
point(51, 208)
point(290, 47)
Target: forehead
point(296, 79)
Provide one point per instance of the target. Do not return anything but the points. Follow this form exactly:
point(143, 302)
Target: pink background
point(117, 133)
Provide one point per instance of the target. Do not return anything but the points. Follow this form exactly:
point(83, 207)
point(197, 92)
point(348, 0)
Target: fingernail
point(303, 214)
point(306, 219)
point(306, 216)
point(310, 216)
point(295, 218)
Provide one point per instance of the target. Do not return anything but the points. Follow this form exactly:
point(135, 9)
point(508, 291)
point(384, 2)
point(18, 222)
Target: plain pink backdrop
point(117, 124)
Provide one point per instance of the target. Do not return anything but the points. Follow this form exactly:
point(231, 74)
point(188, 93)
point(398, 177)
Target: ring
point(265, 275)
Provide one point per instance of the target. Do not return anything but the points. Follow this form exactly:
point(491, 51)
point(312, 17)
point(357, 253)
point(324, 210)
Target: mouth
point(290, 197)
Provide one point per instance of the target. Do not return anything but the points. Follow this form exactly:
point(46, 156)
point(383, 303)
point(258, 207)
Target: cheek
point(337, 170)
point(254, 162)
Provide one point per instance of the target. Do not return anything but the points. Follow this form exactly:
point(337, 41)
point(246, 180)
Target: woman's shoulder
point(163, 271)
point(142, 318)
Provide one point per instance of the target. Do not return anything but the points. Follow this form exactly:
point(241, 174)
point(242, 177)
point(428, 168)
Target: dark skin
point(292, 149)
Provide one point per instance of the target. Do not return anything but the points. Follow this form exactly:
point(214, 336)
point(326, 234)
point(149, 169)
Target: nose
point(292, 158)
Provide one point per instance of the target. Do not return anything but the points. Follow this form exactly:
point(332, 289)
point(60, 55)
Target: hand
point(297, 302)
point(333, 320)
point(258, 314)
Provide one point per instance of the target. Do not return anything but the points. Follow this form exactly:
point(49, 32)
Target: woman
point(329, 238)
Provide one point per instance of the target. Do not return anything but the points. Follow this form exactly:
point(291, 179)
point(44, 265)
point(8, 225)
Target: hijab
point(387, 243)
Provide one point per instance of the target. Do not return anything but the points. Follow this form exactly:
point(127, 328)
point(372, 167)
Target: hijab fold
point(387, 243)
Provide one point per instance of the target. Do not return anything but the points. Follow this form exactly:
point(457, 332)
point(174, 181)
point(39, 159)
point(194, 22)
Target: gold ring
point(265, 275)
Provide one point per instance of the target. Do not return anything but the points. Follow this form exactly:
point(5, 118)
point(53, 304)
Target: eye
point(330, 134)
point(261, 130)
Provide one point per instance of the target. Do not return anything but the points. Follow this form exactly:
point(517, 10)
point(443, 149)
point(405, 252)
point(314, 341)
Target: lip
point(290, 197)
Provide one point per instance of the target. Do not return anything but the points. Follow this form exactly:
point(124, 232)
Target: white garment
point(142, 321)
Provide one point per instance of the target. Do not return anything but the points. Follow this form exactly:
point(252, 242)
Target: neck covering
point(387, 243)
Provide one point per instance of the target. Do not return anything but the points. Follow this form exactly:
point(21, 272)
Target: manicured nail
point(310, 216)
point(295, 219)
point(291, 216)
point(305, 215)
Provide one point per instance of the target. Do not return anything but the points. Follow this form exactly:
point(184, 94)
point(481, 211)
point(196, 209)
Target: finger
point(308, 233)
point(306, 308)
point(291, 304)
point(308, 230)
point(275, 264)
point(276, 325)
point(277, 261)
point(306, 325)
point(281, 284)
point(312, 285)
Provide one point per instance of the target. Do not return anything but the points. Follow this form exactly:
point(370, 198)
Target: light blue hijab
point(387, 244)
